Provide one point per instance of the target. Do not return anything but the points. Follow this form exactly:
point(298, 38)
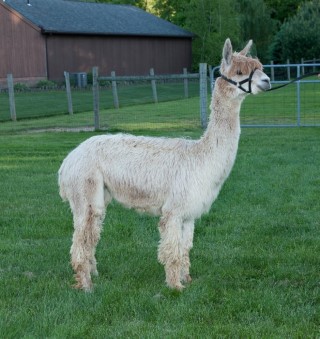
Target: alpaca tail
point(63, 194)
point(62, 191)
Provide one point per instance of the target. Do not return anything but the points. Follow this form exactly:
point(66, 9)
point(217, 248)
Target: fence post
point(211, 76)
point(154, 87)
point(302, 68)
point(288, 70)
point(11, 98)
point(185, 83)
point(298, 98)
point(95, 90)
point(114, 90)
point(272, 70)
point(68, 89)
point(203, 94)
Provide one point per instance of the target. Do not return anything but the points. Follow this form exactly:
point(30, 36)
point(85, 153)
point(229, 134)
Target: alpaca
point(174, 178)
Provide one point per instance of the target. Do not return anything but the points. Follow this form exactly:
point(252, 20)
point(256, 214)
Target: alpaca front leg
point(187, 243)
point(169, 251)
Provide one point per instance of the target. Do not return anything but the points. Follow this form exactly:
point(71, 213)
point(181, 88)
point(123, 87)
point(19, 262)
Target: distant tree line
point(280, 29)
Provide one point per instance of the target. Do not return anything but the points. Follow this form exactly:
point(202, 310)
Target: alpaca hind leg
point(85, 239)
point(88, 218)
point(93, 261)
point(187, 243)
point(169, 251)
point(98, 227)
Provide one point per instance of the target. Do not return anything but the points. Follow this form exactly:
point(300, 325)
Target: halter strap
point(240, 83)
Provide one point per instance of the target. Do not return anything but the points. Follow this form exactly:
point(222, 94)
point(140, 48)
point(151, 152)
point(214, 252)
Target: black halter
point(240, 83)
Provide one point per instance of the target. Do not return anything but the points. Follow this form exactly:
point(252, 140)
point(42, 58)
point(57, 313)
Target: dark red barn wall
point(124, 54)
point(22, 48)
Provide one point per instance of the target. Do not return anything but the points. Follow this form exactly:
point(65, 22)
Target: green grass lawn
point(255, 262)
point(179, 115)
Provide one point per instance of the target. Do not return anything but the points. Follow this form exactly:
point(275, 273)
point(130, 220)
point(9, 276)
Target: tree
point(171, 10)
point(283, 9)
point(256, 23)
point(210, 20)
point(299, 36)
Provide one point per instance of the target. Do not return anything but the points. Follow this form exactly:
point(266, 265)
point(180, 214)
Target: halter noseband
point(240, 83)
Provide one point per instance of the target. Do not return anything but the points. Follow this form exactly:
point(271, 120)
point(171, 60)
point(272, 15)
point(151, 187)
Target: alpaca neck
point(225, 116)
point(216, 150)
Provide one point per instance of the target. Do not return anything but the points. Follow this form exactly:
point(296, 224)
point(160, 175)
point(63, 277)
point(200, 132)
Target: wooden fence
point(296, 105)
point(115, 81)
point(152, 78)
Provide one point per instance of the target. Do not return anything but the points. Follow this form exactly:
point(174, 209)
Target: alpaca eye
point(239, 72)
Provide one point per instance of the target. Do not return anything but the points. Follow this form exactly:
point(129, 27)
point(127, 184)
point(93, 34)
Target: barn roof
point(75, 17)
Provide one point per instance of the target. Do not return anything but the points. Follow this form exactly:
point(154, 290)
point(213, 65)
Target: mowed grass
point(179, 115)
point(255, 262)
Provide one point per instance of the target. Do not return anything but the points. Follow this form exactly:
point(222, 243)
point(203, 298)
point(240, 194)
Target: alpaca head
point(242, 73)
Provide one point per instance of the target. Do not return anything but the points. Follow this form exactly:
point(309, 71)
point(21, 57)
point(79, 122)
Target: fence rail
point(162, 100)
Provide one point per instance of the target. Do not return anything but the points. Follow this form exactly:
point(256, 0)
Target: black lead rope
point(294, 80)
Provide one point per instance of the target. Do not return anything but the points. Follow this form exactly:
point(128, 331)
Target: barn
point(41, 39)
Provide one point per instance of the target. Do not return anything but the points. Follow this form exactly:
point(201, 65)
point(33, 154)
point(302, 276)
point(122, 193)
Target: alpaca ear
point(227, 52)
point(246, 50)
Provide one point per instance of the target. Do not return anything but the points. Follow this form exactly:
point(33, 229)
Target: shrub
point(46, 84)
point(299, 36)
point(20, 87)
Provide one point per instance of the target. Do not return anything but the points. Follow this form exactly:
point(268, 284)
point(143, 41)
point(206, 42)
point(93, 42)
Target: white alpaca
point(177, 179)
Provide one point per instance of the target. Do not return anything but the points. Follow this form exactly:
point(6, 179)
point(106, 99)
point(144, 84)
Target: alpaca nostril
point(264, 84)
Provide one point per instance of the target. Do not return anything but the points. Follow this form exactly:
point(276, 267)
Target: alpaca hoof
point(187, 278)
point(93, 267)
point(95, 273)
point(82, 283)
point(80, 287)
point(178, 286)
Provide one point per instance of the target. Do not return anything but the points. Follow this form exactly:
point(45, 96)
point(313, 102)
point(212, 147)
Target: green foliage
point(46, 84)
point(172, 10)
point(212, 21)
point(256, 23)
point(282, 10)
point(21, 87)
point(299, 36)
